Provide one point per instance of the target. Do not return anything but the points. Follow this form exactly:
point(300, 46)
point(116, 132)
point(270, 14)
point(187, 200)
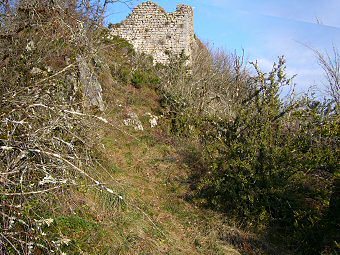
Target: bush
point(140, 78)
point(273, 161)
point(211, 85)
point(274, 164)
point(45, 137)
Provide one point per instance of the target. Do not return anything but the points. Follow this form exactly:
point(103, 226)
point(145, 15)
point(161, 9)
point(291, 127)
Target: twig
point(30, 193)
point(50, 77)
point(103, 120)
point(9, 243)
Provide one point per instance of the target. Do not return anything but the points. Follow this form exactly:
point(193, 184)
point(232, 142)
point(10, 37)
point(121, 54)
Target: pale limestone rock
point(133, 121)
point(92, 87)
point(37, 71)
point(153, 119)
point(30, 46)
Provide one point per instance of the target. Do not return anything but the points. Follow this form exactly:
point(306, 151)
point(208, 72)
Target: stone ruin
point(151, 30)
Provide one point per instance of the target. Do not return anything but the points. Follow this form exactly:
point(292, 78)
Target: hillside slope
point(74, 178)
point(151, 172)
point(103, 152)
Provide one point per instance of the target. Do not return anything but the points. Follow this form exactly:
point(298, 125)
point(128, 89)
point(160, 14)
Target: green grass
point(146, 168)
point(74, 224)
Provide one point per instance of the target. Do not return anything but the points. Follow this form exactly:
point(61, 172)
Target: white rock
point(133, 121)
point(37, 71)
point(30, 46)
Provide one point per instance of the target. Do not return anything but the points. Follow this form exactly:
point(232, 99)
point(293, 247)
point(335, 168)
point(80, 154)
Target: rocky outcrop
point(91, 86)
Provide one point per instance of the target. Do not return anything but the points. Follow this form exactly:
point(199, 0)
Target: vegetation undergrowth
point(209, 159)
point(75, 180)
point(272, 162)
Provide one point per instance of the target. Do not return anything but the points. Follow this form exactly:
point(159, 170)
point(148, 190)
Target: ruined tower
point(150, 29)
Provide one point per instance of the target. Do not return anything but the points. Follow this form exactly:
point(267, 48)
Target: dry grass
point(125, 190)
point(147, 169)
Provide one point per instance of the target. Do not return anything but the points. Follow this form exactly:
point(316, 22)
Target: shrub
point(274, 164)
point(45, 137)
point(140, 78)
point(273, 160)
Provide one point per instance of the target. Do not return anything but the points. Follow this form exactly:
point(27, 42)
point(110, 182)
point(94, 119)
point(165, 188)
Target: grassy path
point(149, 174)
point(148, 171)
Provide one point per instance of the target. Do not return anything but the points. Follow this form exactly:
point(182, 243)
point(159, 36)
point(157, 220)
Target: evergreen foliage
point(274, 163)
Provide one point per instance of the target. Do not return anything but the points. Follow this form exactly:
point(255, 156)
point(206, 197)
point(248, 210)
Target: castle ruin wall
point(150, 29)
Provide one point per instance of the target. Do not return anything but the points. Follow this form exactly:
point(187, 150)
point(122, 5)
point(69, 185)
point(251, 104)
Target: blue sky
point(265, 29)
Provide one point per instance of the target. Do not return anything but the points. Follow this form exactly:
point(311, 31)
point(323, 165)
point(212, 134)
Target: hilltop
point(106, 150)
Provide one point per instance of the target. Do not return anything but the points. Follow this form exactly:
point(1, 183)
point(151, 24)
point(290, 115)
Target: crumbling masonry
point(150, 29)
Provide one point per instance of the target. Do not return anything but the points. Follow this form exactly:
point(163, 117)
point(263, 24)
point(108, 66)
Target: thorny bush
point(273, 161)
point(275, 164)
point(44, 133)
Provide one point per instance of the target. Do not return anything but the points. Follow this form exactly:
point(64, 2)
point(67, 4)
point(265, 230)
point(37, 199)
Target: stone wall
point(150, 29)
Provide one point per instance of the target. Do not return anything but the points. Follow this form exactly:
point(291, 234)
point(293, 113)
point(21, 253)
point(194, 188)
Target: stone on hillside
point(37, 71)
point(92, 87)
point(30, 46)
point(133, 121)
point(153, 119)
